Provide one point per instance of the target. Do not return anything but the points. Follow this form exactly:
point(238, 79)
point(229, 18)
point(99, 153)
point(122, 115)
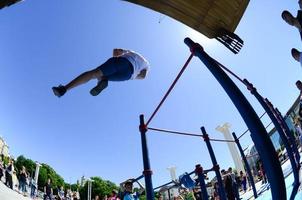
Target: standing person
point(61, 193)
point(255, 173)
point(15, 181)
point(299, 86)
point(68, 194)
point(243, 181)
point(124, 65)
point(9, 174)
point(228, 184)
point(113, 195)
point(128, 193)
point(299, 130)
point(22, 180)
point(48, 190)
point(33, 187)
point(263, 173)
point(1, 170)
point(297, 124)
point(216, 191)
point(197, 193)
point(234, 183)
point(75, 195)
point(300, 139)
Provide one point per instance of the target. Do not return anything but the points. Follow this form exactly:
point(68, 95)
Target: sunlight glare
point(198, 37)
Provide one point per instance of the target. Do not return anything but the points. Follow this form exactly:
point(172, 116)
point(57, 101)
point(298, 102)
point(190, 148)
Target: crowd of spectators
point(17, 179)
point(235, 183)
point(20, 181)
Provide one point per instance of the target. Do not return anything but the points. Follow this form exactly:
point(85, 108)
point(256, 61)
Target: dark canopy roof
point(206, 16)
point(4, 3)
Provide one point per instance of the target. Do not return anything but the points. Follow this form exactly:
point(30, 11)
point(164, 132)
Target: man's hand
point(117, 52)
point(142, 74)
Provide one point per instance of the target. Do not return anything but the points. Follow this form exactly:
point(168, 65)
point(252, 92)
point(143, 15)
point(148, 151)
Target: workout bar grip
point(135, 179)
point(164, 185)
point(138, 178)
point(192, 45)
point(204, 171)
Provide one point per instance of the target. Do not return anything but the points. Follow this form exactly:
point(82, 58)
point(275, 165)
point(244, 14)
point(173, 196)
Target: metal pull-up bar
point(247, 130)
point(170, 89)
point(186, 134)
point(281, 127)
point(259, 134)
point(144, 127)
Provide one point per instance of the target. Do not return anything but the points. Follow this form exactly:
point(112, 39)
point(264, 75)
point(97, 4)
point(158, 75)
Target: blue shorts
point(117, 69)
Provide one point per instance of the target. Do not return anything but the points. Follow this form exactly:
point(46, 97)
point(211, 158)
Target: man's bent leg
point(84, 78)
point(99, 87)
point(116, 68)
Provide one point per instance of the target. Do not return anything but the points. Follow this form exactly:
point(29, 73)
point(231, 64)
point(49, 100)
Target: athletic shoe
point(99, 87)
point(59, 91)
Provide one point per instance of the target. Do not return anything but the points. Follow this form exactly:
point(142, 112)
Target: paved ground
point(8, 194)
point(264, 191)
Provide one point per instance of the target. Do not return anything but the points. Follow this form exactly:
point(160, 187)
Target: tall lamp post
point(225, 130)
point(172, 171)
point(171, 191)
point(38, 165)
point(89, 187)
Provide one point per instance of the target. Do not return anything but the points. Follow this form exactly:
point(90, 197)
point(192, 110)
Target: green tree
point(5, 160)
point(74, 187)
point(189, 196)
point(99, 187)
point(27, 163)
point(142, 197)
point(42, 178)
point(47, 172)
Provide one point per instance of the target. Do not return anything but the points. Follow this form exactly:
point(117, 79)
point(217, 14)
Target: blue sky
point(46, 43)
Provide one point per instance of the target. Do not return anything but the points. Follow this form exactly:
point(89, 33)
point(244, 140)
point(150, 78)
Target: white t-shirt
point(138, 62)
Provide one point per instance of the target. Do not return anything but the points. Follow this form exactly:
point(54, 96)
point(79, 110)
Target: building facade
point(290, 118)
